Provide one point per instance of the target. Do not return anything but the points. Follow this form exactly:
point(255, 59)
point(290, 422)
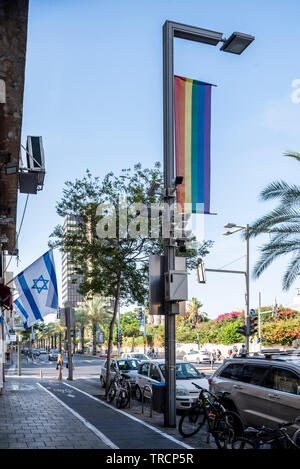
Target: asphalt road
point(84, 367)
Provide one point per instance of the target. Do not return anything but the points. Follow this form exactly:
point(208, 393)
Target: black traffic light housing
point(242, 330)
point(252, 325)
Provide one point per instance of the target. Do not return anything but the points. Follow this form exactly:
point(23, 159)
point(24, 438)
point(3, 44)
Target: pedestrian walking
point(59, 366)
point(242, 351)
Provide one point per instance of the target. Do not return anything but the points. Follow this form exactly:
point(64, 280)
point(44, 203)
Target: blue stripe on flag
point(51, 271)
point(21, 308)
point(29, 297)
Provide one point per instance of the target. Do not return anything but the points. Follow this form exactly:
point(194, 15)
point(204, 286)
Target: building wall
point(69, 290)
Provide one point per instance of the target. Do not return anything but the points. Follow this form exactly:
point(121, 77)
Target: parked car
point(43, 351)
point(53, 355)
point(127, 365)
point(137, 356)
point(198, 356)
point(264, 390)
point(153, 371)
point(34, 353)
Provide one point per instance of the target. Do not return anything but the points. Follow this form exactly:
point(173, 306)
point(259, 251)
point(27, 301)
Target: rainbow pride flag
point(192, 104)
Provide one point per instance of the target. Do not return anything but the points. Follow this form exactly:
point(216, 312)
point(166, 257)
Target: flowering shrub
point(233, 315)
point(281, 332)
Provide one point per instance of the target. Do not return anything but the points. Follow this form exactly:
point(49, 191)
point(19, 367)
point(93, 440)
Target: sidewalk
point(30, 418)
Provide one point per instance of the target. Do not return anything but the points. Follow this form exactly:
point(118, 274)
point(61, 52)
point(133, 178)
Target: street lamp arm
point(227, 271)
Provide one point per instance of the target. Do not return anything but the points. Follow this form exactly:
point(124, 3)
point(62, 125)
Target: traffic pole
point(19, 357)
point(69, 343)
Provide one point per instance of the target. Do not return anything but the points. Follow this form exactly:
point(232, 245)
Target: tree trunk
point(74, 340)
point(59, 342)
point(94, 337)
point(82, 339)
point(132, 345)
point(111, 332)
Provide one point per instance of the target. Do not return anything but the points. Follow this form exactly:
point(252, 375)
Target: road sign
point(252, 312)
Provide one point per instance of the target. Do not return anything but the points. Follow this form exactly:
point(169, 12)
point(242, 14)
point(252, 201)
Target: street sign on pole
point(252, 312)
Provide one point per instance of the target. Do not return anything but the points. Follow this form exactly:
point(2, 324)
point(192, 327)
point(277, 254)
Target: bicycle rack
point(143, 399)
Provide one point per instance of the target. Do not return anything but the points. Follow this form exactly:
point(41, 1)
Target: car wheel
point(138, 393)
point(102, 382)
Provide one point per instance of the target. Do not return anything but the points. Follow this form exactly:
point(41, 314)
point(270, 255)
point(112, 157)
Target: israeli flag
point(28, 317)
point(37, 289)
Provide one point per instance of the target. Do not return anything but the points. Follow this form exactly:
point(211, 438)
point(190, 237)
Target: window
point(144, 369)
point(154, 373)
point(281, 379)
point(233, 371)
point(253, 374)
point(113, 366)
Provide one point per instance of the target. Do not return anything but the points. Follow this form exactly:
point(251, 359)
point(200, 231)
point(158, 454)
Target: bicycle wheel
point(122, 399)
point(111, 392)
point(226, 429)
point(192, 420)
point(242, 443)
point(296, 438)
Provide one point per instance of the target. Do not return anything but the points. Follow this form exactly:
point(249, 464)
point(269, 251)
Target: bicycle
point(223, 424)
point(119, 389)
point(269, 438)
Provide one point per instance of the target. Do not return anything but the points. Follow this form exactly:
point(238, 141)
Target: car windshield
point(139, 356)
point(183, 371)
point(126, 365)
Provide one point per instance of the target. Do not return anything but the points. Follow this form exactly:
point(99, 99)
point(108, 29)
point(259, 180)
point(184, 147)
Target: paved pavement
point(44, 413)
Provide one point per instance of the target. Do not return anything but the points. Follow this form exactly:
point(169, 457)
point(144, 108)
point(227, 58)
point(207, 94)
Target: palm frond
point(293, 154)
point(291, 273)
point(278, 215)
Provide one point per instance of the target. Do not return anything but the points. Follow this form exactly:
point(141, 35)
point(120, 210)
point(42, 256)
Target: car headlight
point(181, 392)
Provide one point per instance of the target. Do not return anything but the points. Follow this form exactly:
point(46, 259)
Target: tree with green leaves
point(109, 254)
point(81, 321)
point(130, 325)
point(282, 224)
point(193, 311)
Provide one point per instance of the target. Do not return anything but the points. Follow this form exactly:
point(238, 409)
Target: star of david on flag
point(37, 289)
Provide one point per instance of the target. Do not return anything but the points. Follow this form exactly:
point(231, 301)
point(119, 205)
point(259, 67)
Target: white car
point(153, 371)
point(137, 356)
point(198, 356)
point(128, 366)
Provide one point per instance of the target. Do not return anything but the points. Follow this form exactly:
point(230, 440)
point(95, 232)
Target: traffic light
point(141, 314)
point(120, 338)
point(242, 330)
point(252, 324)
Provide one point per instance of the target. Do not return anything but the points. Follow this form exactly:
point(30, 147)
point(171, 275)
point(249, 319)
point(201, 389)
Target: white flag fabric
point(37, 289)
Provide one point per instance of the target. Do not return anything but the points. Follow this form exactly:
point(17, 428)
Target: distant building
point(70, 290)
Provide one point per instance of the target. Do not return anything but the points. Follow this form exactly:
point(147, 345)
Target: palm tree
point(193, 311)
point(82, 320)
point(98, 311)
point(283, 227)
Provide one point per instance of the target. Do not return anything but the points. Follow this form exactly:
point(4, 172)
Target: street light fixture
point(227, 233)
point(237, 43)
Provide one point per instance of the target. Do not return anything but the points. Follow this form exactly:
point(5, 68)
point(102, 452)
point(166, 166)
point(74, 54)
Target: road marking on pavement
point(169, 437)
point(91, 427)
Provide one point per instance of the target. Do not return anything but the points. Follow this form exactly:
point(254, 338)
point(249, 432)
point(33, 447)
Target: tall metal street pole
point(169, 244)
point(119, 320)
point(236, 44)
point(69, 343)
point(259, 320)
point(247, 312)
point(19, 357)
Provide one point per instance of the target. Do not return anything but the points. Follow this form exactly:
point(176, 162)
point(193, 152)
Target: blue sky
point(93, 90)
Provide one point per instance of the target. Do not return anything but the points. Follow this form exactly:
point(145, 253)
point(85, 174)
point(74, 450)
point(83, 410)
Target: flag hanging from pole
point(192, 106)
point(37, 289)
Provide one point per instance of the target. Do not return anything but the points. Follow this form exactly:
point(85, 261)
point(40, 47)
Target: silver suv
point(264, 390)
